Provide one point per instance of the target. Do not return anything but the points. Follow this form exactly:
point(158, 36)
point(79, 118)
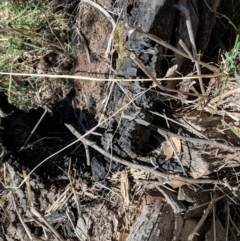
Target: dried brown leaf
point(177, 183)
point(167, 149)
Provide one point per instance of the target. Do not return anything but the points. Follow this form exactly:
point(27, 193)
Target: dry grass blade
point(125, 188)
point(80, 77)
point(192, 40)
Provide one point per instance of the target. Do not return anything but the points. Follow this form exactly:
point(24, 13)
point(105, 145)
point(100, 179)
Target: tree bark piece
point(155, 222)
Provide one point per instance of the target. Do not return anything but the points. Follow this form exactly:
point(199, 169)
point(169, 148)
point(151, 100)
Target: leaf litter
point(146, 171)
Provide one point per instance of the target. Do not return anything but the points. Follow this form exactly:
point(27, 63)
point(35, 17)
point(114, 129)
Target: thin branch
point(234, 225)
point(37, 214)
point(137, 166)
point(201, 221)
point(147, 72)
point(21, 219)
point(34, 129)
point(164, 133)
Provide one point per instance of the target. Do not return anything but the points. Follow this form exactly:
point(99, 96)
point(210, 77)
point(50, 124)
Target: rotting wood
point(155, 221)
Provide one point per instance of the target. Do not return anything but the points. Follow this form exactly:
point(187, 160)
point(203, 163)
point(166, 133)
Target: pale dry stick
point(80, 77)
point(30, 194)
point(176, 97)
point(227, 226)
point(192, 40)
point(70, 180)
point(182, 44)
point(147, 72)
point(109, 17)
point(38, 215)
point(207, 203)
point(34, 129)
point(76, 233)
point(185, 48)
point(21, 219)
point(201, 221)
point(178, 123)
point(55, 205)
point(136, 166)
point(214, 222)
point(169, 46)
point(224, 95)
point(221, 15)
point(87, 154)
point(87, 133)
point(109, 91)
point(164, 132)
point(44, 228)
point(234, 225)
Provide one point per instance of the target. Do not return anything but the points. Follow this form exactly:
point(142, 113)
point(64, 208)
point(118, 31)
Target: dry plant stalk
point(192, 40)
point(147, 72)
point(30, 194)
point(169, 46)
point(80, 77)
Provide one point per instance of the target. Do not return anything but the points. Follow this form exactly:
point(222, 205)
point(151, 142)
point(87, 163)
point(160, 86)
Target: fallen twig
point(224, 95)
point(145, 70)
point(37, 214)
point(164, 133)
point(34, 129)
point(21, 219)
point(201, 221)
point(167, 177)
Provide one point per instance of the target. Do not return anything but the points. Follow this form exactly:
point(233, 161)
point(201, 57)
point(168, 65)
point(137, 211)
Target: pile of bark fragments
point(127, 159)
